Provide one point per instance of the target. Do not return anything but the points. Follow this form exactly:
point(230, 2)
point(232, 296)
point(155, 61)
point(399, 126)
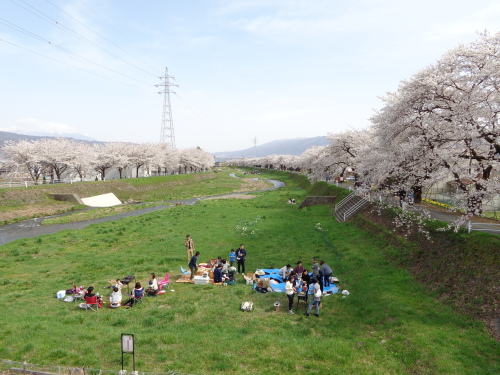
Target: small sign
point(127, 343)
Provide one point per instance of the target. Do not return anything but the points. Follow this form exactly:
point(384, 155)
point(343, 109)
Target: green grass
point(389, 324)
point(26, 203)
point(95, 213)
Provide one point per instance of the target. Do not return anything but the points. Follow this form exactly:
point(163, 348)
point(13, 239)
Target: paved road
point(33, 228)
point(483, 225)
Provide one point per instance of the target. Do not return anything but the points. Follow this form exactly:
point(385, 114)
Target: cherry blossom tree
point(82, 157)
point(23, 155)
point(102, 158)
point(55, 154)
point(445, 119)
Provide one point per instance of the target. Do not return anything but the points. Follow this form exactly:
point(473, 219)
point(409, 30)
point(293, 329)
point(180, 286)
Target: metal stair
point(351, 204)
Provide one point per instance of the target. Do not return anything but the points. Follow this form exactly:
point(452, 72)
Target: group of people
point(222, 268)
point(116, 297)
point(298, 279)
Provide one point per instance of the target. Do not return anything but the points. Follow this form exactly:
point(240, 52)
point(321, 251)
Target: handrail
point(345, 200)
point(469, 227)
point(354, 208)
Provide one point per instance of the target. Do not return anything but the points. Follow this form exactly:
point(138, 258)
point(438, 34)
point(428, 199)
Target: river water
point(33, 228)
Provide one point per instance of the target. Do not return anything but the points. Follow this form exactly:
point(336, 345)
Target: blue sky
point(245, 68)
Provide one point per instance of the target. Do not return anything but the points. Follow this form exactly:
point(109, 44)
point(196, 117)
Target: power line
point(73, 66)
point(29, 33)
point(58, 24)
point(103, 37)
point(119, 32)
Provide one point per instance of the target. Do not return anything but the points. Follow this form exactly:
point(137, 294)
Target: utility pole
point(255, 147)
point(167, 126)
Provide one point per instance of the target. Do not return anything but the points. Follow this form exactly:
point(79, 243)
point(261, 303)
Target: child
point(232, 258)
point(225, 266)
point(117, 283)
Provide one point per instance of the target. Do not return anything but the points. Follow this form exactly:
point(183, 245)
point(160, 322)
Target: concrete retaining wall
point(67, 198)
point(314, 200)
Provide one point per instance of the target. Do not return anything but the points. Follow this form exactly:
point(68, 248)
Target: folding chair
point(165, 281)
point(91, 303)
point(137, 296)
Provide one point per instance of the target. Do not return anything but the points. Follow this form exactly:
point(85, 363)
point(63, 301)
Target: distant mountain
point(8, 136)
point(294, 146)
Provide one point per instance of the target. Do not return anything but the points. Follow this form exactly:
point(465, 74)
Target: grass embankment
point(462, 268)
point(24, 203)
point(389, 324)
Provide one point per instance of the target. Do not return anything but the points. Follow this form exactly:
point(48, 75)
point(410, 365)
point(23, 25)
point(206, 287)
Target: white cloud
point(33, 124)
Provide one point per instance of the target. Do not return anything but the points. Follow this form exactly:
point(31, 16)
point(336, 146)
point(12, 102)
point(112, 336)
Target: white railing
point(474, 226)
point(354, 208)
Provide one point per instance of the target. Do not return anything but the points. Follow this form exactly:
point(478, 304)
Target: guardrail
point(474, 226)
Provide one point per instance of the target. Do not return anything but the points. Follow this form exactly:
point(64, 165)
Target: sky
point(248, 71)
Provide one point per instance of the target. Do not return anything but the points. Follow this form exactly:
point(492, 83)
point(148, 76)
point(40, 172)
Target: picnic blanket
point(278, 285)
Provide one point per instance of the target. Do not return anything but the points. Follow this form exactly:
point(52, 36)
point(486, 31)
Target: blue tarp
point(273, 273)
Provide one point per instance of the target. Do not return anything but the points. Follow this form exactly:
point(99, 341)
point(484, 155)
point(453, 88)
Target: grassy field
point(389, 324)
point(24, 203)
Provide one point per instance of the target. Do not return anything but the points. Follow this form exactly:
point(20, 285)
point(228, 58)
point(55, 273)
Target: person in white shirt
point(115, 299)
point(290, 292)
point(285, 271)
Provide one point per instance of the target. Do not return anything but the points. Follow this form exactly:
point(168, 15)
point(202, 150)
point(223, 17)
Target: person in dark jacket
point(326, 271)
point(241, 255)
point(193, 266)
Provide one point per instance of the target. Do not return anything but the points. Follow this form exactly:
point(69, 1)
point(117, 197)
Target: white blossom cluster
point(61, 157)
point(442, 124)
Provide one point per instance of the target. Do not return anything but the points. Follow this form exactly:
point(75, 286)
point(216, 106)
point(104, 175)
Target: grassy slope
point(23, 203)
point(390, 324)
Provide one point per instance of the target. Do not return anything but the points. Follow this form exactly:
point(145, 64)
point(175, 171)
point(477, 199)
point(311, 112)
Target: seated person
point(137, 292)
point(218, 277)
point(153, 285)
point(90, 293)
point(299, 269)
point(115, 299)
point(218, 262)
point(285, 271)
point(116, 283)
point(225, 266)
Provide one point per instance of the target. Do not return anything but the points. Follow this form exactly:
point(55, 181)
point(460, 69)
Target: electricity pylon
point(167, 125)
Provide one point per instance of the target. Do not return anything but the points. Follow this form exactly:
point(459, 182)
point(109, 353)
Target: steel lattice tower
point(167, 125)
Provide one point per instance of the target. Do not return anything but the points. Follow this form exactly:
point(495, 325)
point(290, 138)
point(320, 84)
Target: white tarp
point(103, 200)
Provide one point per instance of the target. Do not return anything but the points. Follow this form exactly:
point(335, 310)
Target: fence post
point(26, 183)
point(469, 226)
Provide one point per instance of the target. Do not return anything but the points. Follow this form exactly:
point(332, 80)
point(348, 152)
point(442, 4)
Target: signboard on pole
point(128, 347)
point(127, 343)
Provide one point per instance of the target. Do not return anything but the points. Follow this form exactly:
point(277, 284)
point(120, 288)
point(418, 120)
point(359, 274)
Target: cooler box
point(201, 280)
point(61, 294)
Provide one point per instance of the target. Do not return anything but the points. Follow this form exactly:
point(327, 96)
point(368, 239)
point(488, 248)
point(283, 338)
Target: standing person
point(402, 196)
point(193, 266)
point(316, 298)
point(241, 257)
point(305, 277)
point(326, 271)
point(189, 243)
point(232, 258)
point(290, 292)
point(315, 267)
point(411, 196)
